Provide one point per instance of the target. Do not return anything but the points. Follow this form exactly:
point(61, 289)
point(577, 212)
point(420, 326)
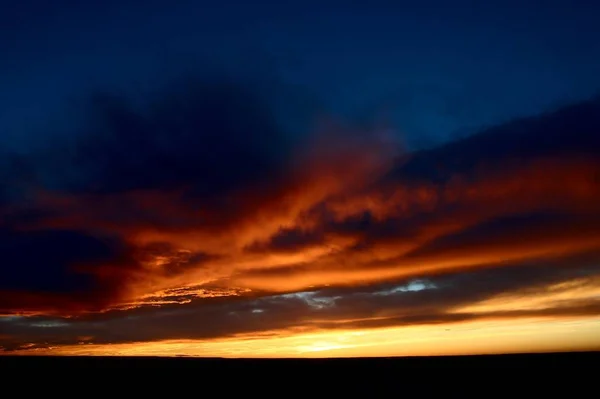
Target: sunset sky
point(307, 179)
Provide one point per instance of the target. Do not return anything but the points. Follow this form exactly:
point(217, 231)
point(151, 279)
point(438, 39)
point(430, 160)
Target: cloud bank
point(197, 216)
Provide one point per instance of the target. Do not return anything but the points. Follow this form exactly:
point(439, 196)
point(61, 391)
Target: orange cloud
point(347, 188)
point(343, 235)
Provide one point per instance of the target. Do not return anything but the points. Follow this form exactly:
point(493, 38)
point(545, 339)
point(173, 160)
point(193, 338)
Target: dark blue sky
point(436, 67)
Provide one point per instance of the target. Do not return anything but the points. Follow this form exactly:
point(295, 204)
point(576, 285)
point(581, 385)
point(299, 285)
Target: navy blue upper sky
point(436, 67)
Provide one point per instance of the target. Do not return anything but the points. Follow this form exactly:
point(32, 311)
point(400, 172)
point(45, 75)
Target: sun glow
point(479, 337)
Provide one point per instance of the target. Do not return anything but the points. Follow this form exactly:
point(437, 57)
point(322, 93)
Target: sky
point(299, 180)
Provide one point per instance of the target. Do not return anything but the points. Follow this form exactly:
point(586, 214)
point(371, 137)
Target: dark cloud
point(500, 232)
point(52, 269)
point(289, 240)
point(565, 132)
point(203, 138)
point(213, 136)
point(60, 252)
point(403, 302)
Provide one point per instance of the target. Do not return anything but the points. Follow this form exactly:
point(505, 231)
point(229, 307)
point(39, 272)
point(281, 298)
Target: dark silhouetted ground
point(567, 375)
point(39, 364)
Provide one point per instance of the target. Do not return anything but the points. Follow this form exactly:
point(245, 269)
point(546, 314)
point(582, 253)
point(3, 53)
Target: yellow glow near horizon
point(478, 337)
point(551, 297)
